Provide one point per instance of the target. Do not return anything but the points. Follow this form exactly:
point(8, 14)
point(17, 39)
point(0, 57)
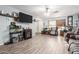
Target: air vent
point(55, 11)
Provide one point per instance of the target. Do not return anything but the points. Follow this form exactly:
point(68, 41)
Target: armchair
point(54, 31)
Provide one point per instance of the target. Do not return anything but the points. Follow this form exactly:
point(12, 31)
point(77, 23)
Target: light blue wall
point(5, 21)
point(4, 29)
point(4, 24)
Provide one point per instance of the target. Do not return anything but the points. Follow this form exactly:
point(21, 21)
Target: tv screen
point(25, 18)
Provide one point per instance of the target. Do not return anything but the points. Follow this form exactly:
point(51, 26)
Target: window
point(52, 23)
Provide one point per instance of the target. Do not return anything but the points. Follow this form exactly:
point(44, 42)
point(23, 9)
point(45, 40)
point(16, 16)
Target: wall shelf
point(7, 15)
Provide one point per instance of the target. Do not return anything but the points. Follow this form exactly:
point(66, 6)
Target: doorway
point(60, 24)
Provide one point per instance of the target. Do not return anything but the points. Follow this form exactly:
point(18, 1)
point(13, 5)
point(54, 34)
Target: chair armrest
point(75, 43)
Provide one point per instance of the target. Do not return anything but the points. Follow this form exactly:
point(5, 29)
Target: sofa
point(74, 35)
point(73, 46)
point(72, 39)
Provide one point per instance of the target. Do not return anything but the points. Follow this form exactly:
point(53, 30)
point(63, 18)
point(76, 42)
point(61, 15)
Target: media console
point(27, 33)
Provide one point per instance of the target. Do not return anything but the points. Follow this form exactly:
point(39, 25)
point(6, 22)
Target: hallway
point(40, 44)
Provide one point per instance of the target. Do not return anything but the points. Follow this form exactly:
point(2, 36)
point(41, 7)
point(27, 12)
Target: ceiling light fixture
point(46, 11)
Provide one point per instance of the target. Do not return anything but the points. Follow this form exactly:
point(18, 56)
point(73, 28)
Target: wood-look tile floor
point(40, 44)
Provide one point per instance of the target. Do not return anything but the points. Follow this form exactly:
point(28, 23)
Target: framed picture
point(70, 21)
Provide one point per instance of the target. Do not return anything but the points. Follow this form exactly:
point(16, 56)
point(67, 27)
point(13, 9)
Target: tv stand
point(27, 33)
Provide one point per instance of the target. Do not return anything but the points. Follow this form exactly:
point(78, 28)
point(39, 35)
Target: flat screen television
point(25, 18)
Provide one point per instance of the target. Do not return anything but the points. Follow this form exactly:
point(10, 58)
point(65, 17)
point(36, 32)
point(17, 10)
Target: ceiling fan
point(48, 11)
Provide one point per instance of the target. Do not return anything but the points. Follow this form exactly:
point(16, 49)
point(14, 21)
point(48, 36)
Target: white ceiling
point(54, 10)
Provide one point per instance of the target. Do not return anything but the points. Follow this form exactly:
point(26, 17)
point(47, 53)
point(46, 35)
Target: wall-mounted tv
point(25, 18)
